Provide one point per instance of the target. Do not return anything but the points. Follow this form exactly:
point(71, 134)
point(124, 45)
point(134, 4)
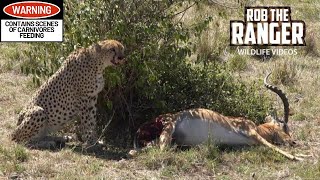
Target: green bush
point(157, 78)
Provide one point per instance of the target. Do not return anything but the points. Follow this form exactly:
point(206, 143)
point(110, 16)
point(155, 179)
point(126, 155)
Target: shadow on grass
point(107, 152)
point(104, 152)
point(221, 148)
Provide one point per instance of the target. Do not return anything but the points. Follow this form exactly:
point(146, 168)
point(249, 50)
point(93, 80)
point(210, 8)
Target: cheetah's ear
point(96, 47)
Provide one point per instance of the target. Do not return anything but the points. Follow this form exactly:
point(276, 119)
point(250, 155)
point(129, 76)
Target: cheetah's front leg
point(88, 122)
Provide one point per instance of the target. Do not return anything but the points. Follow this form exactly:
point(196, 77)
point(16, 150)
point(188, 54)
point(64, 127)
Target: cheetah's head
point(111, 52)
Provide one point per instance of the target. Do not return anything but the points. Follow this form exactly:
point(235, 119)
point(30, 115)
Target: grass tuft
point(285, 73)
point(20, 154)
point(11, 159)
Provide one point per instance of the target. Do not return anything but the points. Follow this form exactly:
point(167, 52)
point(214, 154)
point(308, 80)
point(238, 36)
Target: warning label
point(31, 21)
point(31, 30)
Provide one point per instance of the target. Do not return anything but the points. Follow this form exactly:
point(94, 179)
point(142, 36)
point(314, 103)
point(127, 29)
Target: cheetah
point(71, 93)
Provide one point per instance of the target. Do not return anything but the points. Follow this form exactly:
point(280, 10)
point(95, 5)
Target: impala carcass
point(196, 126)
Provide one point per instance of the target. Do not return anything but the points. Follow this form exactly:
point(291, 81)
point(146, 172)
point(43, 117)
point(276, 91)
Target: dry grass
point(197, 163)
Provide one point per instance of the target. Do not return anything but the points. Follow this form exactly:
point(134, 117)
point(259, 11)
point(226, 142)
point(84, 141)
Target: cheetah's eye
point(113, 49)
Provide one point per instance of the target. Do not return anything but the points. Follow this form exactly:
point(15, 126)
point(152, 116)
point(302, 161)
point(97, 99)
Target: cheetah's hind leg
point(33, 128)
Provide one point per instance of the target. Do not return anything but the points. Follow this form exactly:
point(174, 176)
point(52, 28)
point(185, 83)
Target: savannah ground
point(297, 75)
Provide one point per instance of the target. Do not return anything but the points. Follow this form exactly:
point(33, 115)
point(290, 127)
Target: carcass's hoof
point(133, 153)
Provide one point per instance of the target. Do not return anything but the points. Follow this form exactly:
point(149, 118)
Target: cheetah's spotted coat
point(71, 92)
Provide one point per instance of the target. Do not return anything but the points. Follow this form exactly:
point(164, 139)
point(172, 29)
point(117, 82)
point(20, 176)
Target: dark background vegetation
point(159, 76)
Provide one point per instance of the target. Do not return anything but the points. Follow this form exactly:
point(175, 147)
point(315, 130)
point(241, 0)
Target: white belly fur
point(197, 131)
